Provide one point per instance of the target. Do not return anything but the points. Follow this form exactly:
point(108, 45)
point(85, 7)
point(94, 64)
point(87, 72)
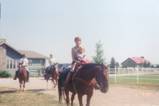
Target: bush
point(5, 74)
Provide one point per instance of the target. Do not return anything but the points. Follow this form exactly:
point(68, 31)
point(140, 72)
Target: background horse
point(83, 82)
point(22, 76)
point(61, 82)
point(51, 72)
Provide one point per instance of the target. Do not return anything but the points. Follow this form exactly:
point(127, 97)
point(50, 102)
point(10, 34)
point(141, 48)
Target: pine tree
point(112, 63)
point(99, 57)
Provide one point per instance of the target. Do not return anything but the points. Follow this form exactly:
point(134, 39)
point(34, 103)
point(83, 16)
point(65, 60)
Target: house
point(134, 62)
point(9, 58)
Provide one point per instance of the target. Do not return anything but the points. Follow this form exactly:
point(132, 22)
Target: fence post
point(115, 75)
point(137, 76)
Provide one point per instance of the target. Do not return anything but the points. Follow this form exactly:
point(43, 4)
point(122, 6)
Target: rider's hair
point(81, 50)
point(77, 39)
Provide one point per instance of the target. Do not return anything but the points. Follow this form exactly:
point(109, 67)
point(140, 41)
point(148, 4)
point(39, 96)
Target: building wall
point(9, 59)
point(2, 58)
point(36, 66)
point(12, 59)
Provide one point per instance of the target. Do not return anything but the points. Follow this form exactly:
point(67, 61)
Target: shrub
point(5, 74)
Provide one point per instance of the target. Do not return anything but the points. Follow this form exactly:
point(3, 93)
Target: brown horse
point(82, 82)
point(51, 72)
point(22, 76)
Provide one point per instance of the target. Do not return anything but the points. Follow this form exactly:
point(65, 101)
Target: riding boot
point(16, 75)
point(68, 78)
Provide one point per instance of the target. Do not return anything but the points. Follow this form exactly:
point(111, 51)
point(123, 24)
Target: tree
point(99, 57)
point(157, 66)
point(117, 65)
point(112, 63)
point(147, 64)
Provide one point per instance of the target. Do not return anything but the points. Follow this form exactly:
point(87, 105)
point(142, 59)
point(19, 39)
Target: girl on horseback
point(82, 56)
point(78, 57)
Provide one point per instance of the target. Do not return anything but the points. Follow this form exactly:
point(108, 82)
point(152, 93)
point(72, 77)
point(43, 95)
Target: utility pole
point(0, 11)
point(0, 18)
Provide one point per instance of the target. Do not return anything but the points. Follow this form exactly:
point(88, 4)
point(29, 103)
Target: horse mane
point(88, 67)
point(87, 71)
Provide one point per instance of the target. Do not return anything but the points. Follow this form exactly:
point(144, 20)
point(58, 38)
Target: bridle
point(89, 83)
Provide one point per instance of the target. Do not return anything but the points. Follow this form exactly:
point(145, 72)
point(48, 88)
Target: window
point(8, 64)
point(41, 62)
point(14, 64)
point(30, 62)
point(11, 64)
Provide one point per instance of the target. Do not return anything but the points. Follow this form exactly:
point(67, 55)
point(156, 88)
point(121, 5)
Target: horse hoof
point(60, 102)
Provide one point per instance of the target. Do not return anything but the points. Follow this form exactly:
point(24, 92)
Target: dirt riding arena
point(117, 95)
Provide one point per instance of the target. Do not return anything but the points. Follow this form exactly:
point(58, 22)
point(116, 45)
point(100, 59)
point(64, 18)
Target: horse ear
point(105, 66)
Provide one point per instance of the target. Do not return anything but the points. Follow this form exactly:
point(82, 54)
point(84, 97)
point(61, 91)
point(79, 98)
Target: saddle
point(49, 69)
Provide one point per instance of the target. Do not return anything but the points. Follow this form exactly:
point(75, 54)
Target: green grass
point(144, 80)
point(27, 98)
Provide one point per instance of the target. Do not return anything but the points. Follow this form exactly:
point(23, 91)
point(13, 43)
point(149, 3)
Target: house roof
point(32, 54)
point(138, 60)
point(29, 54)
point(3, 43)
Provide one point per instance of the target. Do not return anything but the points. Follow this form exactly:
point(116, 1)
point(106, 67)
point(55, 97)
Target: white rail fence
point(137, 72)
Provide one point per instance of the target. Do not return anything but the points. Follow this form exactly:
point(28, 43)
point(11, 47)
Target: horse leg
point(89, 96)
point(20, 85)
point(23, 86)
point(54, 80)
point(80, 99)
point(72, 98)
point(63, 93)
point(47, 84)
point(60, 94)
point(54, 84)
point(67, 97)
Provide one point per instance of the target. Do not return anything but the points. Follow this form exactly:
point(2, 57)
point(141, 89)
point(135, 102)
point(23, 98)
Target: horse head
point(102, 78)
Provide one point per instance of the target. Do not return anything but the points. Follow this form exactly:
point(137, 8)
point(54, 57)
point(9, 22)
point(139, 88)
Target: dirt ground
point(117, 95)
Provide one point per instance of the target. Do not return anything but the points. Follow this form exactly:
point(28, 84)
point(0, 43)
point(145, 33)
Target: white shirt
point(81, 56)
point(75, 52)
point(25, 62)
point(51, 61)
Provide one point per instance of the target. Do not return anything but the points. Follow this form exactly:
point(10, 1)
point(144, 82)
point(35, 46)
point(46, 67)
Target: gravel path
point(117, 95)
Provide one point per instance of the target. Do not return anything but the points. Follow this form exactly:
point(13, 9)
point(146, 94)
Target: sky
point(126, 28)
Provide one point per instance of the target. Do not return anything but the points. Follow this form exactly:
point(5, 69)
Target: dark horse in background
point(51, 72)
point(23, 77)
point(82, 82)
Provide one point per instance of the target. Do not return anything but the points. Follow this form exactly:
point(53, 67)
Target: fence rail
point(135, 74)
